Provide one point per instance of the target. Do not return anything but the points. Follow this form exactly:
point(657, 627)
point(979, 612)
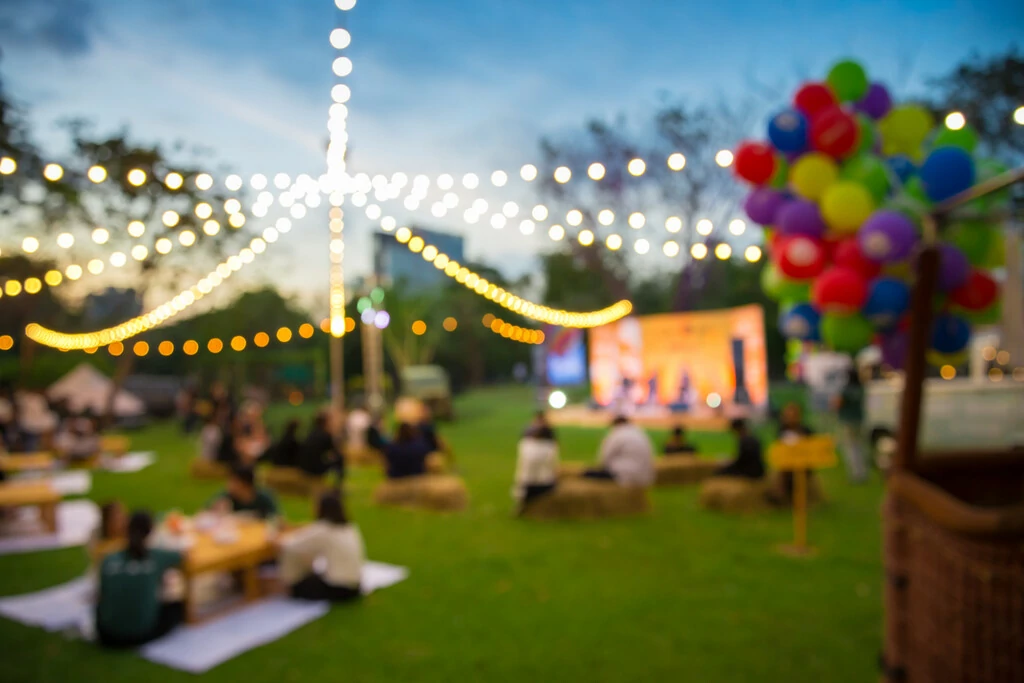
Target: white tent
point(85, 388)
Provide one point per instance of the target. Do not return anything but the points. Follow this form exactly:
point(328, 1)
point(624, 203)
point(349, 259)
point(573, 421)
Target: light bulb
point(636, 167)
point(528, 172)
point(704, 227)
point(173, 181)
point(673, 224)
point(539, 213)
point(562, 174)
point(724, 158)
point(136, 177)
point(723, 251)
point(97, 174)
point(53, 172)
point(204, 181)
point(556, 232)
point(605, 216)
point(676, 162)
point(699, 251)
point(641, 246)
point(596, 171)
point(574, 217)
point(65, 240)
point(499, 178)
point(670, 249)
point(233, 182)
point(613, 242)
point(340, 39)
point(170, 218)
point(100, 236)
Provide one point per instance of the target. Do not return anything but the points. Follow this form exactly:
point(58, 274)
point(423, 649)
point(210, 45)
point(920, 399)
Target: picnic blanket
point(24, 533)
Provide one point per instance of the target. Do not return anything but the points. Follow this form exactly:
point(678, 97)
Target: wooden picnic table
point(36, 493)
point(26, 462)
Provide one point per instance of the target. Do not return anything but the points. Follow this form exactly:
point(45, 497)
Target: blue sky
point(444, 86)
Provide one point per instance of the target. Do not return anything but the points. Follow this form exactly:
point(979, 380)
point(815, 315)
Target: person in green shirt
point(850, 411)
point(242, 495)
point(129, 611)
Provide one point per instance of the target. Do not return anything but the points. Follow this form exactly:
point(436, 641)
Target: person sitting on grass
point(242, 495)
point(319, 454)
point(285, 452)
point(335, 539)
point(536, 465)
point(748, 463)
point(406, 455)
point(130, 610)
point(626, 455)
point(677, 443)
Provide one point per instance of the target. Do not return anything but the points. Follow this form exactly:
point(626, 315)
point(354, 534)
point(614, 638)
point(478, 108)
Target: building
point(393, 262)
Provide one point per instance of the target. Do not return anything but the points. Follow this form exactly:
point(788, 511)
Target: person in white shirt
point(626, 455)
point(210, 437)
point(338, 542)
point(536, 464)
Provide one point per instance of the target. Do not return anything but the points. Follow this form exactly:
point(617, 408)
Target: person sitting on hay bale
point(626, 456)
point(242, 495)
point(285, 451)
point(749, 461)
point(333, 538)
point(319, 454)
point(739, 485)
point(406, 455)
point(677, 443)
point(536, 465)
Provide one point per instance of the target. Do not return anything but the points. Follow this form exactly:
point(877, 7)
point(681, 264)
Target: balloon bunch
point(840, 187)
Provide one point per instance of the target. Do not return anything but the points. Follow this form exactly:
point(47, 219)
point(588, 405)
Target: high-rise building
point(393, 262)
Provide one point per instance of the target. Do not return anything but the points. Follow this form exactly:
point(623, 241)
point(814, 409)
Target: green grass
point(680, 595)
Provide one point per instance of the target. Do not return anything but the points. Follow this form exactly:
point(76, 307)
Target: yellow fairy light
point(350, 324)
point(215, 345)
point(261, 339)
point(403, 235)
point(574, 217)
point(203, 210)
point(165, 348)
point(416, 244)
point(637, 220)
point(53, 172)
point(65, 240)
point(737, 226)
point(100, 236)
point(6, 342)
point(136, 228)
point(752, 253)
point(8, 166)
point(723, 251)
point(613, 242)
point(955, 120)
point(673, 224)
point(419, 328)
point(212, 227)
point(140, 252)
point(724, 158)
point(556, 232)
point(173, 181)
point(33, 285)
point(586, 238)
point(670, 249)
point(238, 343)
point(140, 348)
point(704, 227)
point(30, 245)
point(236, 220)
point(115, 349)
point(528, 172)
point(95, 266)
point(450, 324)
point(596, 171)
point(605, 216)
point(947, 372)
point(429, 253)
point(190, 347)
point(170, 218)
point(563, 174)
point(676, 161)
point(636, 167)
point(232, 205)
point(136, 177)
point(204, 181)
point(163, 245)
point(73, 272)
point(187, 238)
point(96, 174)
point(306, 330)
point(118, 259)
point(53, 278)
point(699, 251)
point(284, 335)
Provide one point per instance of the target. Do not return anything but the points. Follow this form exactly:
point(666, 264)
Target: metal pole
point(337, 374)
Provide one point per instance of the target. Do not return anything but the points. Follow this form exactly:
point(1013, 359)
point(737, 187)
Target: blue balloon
point(950, 334)
point(888, 299)
point(946, 172)
point(787, 130)
point(902, 166)
point(801, 322)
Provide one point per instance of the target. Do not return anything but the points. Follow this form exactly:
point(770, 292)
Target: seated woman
point(242, 495)
point(338, 542)
point(626, 455)
point(129, 611)
point(406, 455)
point(77, 439)
point(748, 462)
point(536, 465)
point(318, 454)
point(677, 444)
point(285, 453)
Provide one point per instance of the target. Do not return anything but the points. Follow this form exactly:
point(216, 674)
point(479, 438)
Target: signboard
point(809, 453)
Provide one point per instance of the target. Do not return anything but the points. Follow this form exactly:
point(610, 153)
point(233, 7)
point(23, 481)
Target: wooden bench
point(683, 470)
point(291, 481)
point(32, 494)
point(440, 492)
point(201, 468)
point(26, 462)
point(581, 498)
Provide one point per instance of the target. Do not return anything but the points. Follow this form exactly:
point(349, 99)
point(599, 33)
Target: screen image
point(682, 360)
point(566, 353)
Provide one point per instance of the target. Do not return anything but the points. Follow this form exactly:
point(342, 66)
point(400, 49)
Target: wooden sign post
point(799, 456)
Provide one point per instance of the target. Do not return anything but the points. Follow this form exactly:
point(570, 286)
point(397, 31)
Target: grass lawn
point(681, 595)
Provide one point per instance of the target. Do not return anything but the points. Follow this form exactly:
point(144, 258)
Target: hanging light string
point(513, 332)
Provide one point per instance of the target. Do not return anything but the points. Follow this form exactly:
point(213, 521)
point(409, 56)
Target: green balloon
point(846, 333)
point(996, 257)
point(780, 288)
point(870, 172)
point(781, 176)
point(866, 138)
point(848, 81)
point(966, 138)
point(973, 238)
point(988, 316)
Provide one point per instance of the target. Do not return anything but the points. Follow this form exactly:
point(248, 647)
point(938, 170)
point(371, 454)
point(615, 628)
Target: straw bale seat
point(291, 481)
point(431, 492)
point(581, 498)
point(683, 470)
point(735, 494)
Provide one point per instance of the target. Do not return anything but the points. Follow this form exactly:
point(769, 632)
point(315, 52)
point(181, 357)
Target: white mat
point(76, 520)
point(53, 609)
point(70, 483)
point(130, 462)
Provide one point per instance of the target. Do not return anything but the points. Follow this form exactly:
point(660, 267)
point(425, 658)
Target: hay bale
point(683, 470)
point(291, 481)
point(365, 456)
point(777, 490)
point(437, 463)
point(571, 469)
point(430, 492)
point(201, 468)
point(581, 498)
point(735, 494)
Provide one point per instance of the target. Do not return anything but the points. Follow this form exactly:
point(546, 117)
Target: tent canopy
point(86, 388)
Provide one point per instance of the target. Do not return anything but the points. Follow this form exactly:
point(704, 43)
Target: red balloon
point(800, 257)
point(811, 98)
point(978, 293)
point(839, 290)
point(755, 162)
point(834, 132)
point(847, 254)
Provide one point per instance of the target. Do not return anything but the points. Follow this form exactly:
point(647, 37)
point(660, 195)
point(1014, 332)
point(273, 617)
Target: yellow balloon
point(939, 359)
point(845, 205)
point(904, 130)
point(812, 174)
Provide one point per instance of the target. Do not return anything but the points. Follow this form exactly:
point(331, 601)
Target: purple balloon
point(876, 103)
point(954, 268)
point(800, 217)
point(894, 349)
point(762, 205)
point(887, 237)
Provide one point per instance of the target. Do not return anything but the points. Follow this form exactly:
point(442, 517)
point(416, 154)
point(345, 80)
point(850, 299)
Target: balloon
point(973, 238)
point(800, 258)
point(846, 333)
point(811, 174)
point(987, 316)
point(888, 300)
point(781, 288)
point(847, 254)
point(866, 137)
point(800, 322)
point(939, 359)
point(876, 103)
point(954, 268)
point(870, 172)
point(763, 204)
point(950, 334)
point(946, 172)
point(902, 166)
point(904, 129)
point(887, 236)
point(800, 217)
point(787, 130)
point(755, 162)
point(845, 205)
point(839, 290)
point(996, 257)
point(976, 294)
point(848, 81)
point(812, 98)
point(834, 132)
point(894, 349)
point(911, 199)
point(966, 138)
point(781, 176)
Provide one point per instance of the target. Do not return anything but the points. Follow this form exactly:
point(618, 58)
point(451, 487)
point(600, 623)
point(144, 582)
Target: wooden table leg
point(191, 615)
point(251, 583)
point(48, 513)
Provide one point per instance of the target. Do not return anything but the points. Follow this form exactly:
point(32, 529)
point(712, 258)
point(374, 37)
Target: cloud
point(66, 27)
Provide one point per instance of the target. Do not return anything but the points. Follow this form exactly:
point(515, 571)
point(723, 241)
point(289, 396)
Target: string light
point(641, 246)
point(724, 158)
point(586, 238)
point(204, 181)
point(636, 167)
point(562, 174)
point(670, 249)
point(613, 242)
point(676, 161)
point(737, 226)
point(96, 174)
point(556, 232)
point(136, 228)
point(699, 251)
point(596, 171)
point(704, 227)
point(513, 332)
point(574, 217)
point(673, 224)
point(65, 240)
point(173, 181)
point(30, 245)
point(605, 216)
point(53, 172)
point(136, 177)
point(752, 253)
point(528, 172)
point(723, 251)
point(8, 166)
point(637, 220)
point(955, 120)
point(170, 218)
point(499, 178)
